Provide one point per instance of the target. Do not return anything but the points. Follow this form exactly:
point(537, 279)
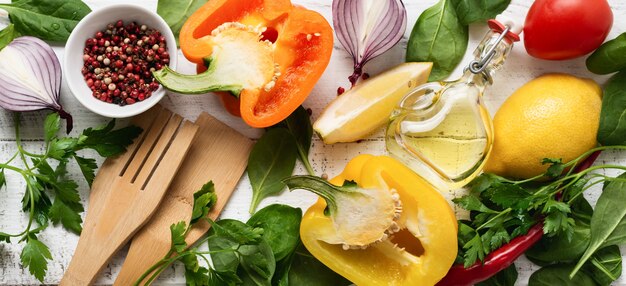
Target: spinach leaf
point(559, 275)
point(612, 129)
point(438, 37)
point(299, 125)
point(609, 212)
point(308, 271)
point(558, 248)
point(272, 159)
point(7, 35)
point(281, 228)
point(506, 277)
point(472, 11)
point(176, 12)
point(51, 20)
point(605, 266)
point(258, 262)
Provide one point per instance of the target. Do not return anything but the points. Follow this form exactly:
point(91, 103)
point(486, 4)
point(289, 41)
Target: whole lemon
point(553, 116)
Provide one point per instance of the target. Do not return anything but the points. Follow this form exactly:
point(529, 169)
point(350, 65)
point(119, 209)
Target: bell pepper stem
point(193, 84)
point(317, 186)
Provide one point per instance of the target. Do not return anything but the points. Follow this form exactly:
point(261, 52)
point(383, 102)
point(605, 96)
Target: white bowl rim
point(88, 100)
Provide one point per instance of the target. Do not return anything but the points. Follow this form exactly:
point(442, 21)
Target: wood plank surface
point(329, 159)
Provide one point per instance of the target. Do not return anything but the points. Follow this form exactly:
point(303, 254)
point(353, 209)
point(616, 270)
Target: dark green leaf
point(258, 261)
point(63, 148)
point(88, 167)
point(7, 35)
point(511, 196)
point(473, 11)
point(556, 167)
point(472, 203)
point(308, 271)
point(559, 275)
point(203, 201)
point(483, 183)
point(557, 219)
point(608, 214)
point(66, 215)
point(605, 266)
point(35, 256)
point(223, 278)
point(506, 277)
point(176, 12)
point(237, 231)
point(609, 58)
point(438, 37)
point(281, 275)
point(474, 250)
point(223, 260)
point(281, 228)
point(581, 210)
point(272, 159)
point(299, 124)
point(3, 181)
point(200, 277)
point(178, 231)
point(5, 237)
point(106, 141)
point(558, 248)
point(612, 129)
point(51, 126)
point(50, 20)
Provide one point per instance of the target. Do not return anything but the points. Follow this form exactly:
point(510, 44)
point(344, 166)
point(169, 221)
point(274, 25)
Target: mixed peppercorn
point(119, 61)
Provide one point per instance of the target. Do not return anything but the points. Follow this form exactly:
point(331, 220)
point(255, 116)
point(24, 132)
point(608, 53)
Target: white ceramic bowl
point(97, 21)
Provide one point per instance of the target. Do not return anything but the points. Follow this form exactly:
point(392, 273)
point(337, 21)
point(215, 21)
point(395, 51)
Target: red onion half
point(30, 77)
point(368, 28)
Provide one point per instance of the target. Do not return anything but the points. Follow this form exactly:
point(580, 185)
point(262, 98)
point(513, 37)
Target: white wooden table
point(329, 159)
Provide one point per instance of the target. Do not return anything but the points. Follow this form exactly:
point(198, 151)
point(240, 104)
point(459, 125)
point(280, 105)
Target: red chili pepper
point(494, 262)
point(504, 256)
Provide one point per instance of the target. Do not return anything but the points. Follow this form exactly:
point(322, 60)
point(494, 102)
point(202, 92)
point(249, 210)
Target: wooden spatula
point(128, 192)
point(219, 153)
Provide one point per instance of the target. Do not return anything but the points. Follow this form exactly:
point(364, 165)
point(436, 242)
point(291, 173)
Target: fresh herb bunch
point(42, 180)
point(502, 209)
point(264, 251)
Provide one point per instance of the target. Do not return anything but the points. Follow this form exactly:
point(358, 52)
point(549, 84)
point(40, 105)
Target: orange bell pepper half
point(269, 54)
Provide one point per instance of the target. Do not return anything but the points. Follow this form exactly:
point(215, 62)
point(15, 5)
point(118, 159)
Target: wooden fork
point(128, 190)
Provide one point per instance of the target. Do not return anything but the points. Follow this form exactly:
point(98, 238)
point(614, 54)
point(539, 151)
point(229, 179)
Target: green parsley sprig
point(502, 209)
point(50, 195)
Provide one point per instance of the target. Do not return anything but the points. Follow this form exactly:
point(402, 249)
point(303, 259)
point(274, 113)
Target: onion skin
point(368, 33)
point(30, 76)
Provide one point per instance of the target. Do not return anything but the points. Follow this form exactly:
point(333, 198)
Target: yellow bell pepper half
point(419, 254)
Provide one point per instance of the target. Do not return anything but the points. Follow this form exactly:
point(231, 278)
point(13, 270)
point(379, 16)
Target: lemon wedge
point(366, 107)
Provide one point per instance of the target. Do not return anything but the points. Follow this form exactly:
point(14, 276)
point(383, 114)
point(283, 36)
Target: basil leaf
point(272, 159)
point(51, 20)
point(176, 12)
point(559, 275)
point(605, 266)
point(299, 125)
point(7, 35)
point(472, 11)
point(438, 37)
point(606, 219)
point(281, 228)
point(612, 129)
point(506, 277)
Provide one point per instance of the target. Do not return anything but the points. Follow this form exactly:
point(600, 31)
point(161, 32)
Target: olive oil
point(443, 129)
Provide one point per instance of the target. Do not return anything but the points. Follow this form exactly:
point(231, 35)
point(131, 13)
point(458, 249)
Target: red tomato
point(566, 29)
